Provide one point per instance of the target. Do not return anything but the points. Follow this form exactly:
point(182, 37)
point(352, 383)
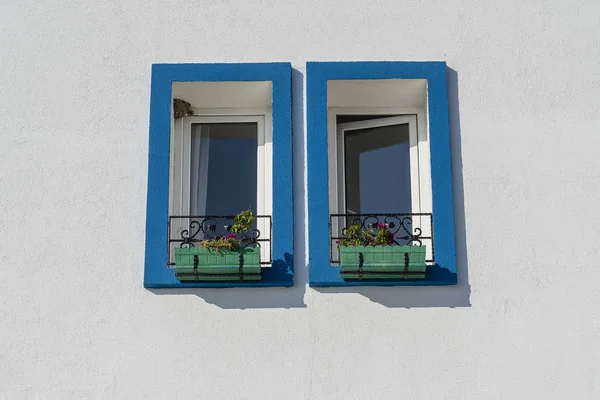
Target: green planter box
point(397, 262)
point(223, 265)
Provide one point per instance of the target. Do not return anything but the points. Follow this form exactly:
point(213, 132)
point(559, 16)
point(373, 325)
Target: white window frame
point(421, 198)
point(180, 156)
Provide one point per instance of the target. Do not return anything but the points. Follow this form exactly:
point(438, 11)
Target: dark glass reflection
point(224, 168)
point(377, 170)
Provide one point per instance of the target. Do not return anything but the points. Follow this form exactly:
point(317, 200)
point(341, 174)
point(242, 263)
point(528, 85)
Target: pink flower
point(382, 225)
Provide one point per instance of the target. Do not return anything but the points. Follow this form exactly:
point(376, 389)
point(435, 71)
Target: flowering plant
point(356, 236)
point(230, 241)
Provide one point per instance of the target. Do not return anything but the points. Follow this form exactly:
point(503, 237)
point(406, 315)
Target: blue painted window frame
point(321, 272)
point(156, 272)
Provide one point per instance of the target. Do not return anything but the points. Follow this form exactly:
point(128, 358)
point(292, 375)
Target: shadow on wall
point(430, 296)
point(247, 298)
point(243, 298)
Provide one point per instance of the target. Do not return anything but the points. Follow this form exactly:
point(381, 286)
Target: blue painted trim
point(281, 273)
point(321, 273)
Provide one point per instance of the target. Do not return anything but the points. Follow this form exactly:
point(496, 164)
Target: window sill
point(330, 276)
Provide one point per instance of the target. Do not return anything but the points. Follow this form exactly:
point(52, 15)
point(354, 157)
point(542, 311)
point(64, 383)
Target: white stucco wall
point(75, 321)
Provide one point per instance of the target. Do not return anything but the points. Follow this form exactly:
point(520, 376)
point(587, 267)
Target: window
point(221, 165)
point(215, 132)
point(379, 169)
point(385, 159)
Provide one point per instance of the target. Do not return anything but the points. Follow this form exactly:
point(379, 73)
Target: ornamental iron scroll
point(187, 231)
point(407, 229)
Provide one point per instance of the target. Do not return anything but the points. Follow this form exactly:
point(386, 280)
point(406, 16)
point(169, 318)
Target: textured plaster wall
point(524, 321)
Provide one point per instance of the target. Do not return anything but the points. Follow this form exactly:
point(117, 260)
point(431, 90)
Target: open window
point(379, 170)
point(387, 132)
point(373, 153)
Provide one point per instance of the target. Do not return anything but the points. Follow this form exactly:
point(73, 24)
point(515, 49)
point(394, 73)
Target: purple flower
point(382, 225)
point(230, 236)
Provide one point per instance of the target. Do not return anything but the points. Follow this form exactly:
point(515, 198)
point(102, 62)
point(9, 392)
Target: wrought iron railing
point(407, 228)
point(189, 230)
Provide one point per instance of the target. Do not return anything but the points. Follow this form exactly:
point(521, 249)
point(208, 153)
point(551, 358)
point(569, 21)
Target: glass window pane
point(223, 168)
point(377, 170)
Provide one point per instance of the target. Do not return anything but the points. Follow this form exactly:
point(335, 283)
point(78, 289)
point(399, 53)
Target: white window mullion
point(414, 165)
point(333, 176)
point(199, 171)
point(186, 155)
point(177, 182)
point(341, 173)
point(425, 180)
point(415, 176)
point(268, 186)
point(263, 206)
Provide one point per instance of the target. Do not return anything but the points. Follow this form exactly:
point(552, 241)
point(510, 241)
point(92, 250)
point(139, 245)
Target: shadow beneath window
point(293, 297)
point(244, 298)
point(252, 297)
point(458, 295)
